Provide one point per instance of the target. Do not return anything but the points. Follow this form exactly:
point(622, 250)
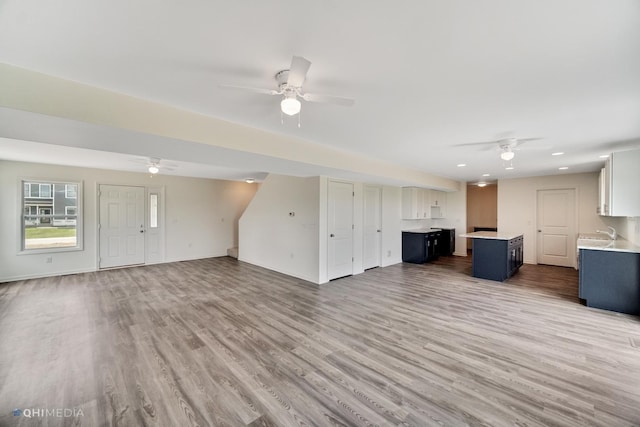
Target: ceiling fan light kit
point(507, 154)
point(290, 105)
point(506, 147)
point(290, 87)
point(153, 169)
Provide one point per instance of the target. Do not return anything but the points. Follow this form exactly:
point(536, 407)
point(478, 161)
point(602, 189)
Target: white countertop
point(619, 245)
point(495, 235)
point(422, 230)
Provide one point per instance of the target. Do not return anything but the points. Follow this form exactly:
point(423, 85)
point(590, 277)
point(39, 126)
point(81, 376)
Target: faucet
point(611, 235)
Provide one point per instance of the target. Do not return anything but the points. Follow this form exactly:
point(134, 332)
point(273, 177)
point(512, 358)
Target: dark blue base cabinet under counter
point(610, 280)
point(420, 246)
point(496, 259)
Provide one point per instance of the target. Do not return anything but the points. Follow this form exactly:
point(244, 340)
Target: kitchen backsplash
point(412, 224)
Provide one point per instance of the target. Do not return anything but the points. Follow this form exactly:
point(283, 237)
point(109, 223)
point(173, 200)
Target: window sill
point(49, 250)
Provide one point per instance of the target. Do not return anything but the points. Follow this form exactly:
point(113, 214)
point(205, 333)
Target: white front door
point(556, 243)
point(340, 227)
point(122, 225)
point(372, 233)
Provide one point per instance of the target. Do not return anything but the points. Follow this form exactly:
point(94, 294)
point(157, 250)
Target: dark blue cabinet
point(610, 280)
point(497, 259)
point(446, 241)
point(420, 247)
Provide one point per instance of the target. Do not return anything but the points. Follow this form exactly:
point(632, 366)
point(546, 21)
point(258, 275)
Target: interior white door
point(556, 243)
point(122, 225)
point(372, 233)
point(340, 227)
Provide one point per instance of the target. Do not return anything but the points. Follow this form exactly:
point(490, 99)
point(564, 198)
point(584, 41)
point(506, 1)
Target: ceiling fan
point(506, 146)
point(289, 87)
point(153, 165)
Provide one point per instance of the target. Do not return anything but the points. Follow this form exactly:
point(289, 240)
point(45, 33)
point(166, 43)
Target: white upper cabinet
point(438, 204)
point(603, 191)
point(421, 203)
point(415, 203)
point(619, 180)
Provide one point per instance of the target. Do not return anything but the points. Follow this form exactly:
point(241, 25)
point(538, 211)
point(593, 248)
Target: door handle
point(539, 231)
point(142, 231)
point(332, 235)
point(378, 231)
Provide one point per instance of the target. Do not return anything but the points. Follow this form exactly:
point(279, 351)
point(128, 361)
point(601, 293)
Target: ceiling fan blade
point(474, 144)
point(512, 142)
point(252, 89)
point(298, 71)
point(337, 100)
point(517, 144)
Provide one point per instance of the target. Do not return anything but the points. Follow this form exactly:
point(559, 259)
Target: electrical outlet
point(48, 260)
point(388, 254)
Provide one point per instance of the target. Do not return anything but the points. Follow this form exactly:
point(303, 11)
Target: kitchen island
point(496, 255)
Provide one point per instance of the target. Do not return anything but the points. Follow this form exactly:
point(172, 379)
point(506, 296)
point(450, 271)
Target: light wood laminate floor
point(218, 342)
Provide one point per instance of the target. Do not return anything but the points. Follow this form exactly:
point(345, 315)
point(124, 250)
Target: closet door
point(340, 227)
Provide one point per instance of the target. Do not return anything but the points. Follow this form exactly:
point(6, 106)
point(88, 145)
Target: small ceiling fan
point(506, 146)
point(153, 165)
point(289, 86)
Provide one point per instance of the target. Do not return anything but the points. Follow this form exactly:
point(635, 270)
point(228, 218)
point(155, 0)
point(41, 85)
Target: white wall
point(630, 230)
point(269, 237)
point(517, 200)
point(298, 245)
point(201, 217)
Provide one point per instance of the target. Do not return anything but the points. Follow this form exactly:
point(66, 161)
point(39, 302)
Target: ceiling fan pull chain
point(281, 118)
point(299, 114)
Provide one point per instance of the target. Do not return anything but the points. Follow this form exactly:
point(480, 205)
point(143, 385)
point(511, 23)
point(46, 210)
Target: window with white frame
point(35, 190)
point(71, 191)
point(50, 216)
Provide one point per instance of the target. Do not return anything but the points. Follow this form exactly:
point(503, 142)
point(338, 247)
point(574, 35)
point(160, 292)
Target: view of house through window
point(50, 215)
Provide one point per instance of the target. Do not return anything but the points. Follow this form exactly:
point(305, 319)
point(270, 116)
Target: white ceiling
point(426, 75)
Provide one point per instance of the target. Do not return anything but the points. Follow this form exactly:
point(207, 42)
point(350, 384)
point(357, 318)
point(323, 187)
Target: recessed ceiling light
point(564, 168)
point(486, 174)
point(482, 184)
point(559, 153)
point(249, 180)
point(461, 165)
point(509, 168)
point(604, 156)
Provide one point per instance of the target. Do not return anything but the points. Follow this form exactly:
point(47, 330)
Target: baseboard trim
point(42, 275)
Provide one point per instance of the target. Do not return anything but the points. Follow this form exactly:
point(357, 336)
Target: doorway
point(340, 227)
point(556, 227)
point(372, 227)
point(121, 225)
